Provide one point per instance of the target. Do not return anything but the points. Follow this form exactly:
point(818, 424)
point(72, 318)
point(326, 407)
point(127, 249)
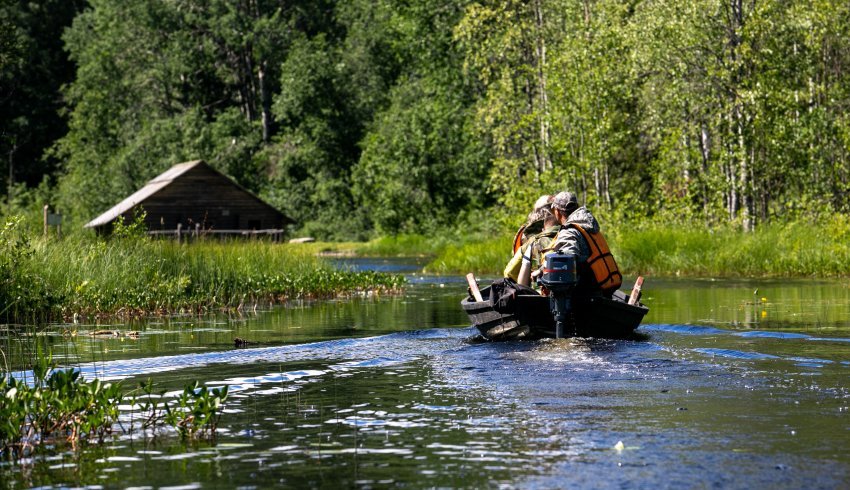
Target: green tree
point(33, 67)
point(309, 160)
point(423, 162)
point(505, 44)
point(161, 82)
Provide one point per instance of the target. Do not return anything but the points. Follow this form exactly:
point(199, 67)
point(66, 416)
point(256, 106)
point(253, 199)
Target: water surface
point(737, 384)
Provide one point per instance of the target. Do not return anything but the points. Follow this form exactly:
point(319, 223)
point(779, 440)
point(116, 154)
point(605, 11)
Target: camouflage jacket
point(570, 240)
point(533, 249)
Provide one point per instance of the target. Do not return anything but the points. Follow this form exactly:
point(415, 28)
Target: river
point(735, 384)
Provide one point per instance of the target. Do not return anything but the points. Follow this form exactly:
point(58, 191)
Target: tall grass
point(406, 245)
point(403, 245)
point(797, 249)
point(132, 275)
point(485, 257)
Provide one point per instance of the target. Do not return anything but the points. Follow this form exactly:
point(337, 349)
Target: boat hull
point(591, 317)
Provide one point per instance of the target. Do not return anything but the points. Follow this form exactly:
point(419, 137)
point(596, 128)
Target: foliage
point(364, 117)
point(414, 172)
point(59, 406)
point(687, 248)
point(33, 67)
point(196, 411)
point(21, 289)
point(700, 108)
point(308, 162)
point(421, 155)
point(486, 257)
point(131, 275)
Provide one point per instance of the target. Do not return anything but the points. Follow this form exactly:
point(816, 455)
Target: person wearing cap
point(527, 256)
point(580, 236)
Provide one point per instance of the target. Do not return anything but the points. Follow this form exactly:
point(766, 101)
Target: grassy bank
point(798, 249)
point(404, 245)
point(46, 279)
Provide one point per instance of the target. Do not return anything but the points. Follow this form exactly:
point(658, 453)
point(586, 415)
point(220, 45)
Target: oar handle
point(473, 287)
point(635, 295)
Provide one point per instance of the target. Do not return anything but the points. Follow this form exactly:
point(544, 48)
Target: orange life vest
point(600, 261)
point(518, 239)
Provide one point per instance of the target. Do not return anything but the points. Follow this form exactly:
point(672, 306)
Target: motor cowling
point(560, 278)
point(559, 272)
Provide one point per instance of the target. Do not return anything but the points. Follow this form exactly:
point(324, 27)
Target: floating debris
point(240, 342)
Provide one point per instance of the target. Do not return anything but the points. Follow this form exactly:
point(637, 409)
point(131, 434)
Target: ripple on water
point(734, 354)
point(544, 413)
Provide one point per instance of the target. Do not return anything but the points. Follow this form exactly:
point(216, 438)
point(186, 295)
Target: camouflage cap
point(564, 200)
point(543, 201)
point(542, 208)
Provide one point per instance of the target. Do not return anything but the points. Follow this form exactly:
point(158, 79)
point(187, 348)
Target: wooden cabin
point(194, 196)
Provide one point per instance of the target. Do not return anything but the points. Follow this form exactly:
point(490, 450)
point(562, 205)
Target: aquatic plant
point(796, 249)
point(60, 406)
point(483, 257)
point(44, 279)
point(57, 406)
point(195, 412)
point(20, 289)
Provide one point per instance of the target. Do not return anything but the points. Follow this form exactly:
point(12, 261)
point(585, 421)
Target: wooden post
point(46, 208)
point(179, 230)
point(197, 230)
point(473, 287)
point(635, 295)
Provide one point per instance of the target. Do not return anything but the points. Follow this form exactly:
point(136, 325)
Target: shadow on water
point(397, 391)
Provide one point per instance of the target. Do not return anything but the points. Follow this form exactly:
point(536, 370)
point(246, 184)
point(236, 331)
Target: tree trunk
point(606, 181)
point(597, 184)
point(544, 116)
point(705, 151)
point(11, 182)
point(248, 80)
point(729, 171)
point(265, 102)
point(743, 170)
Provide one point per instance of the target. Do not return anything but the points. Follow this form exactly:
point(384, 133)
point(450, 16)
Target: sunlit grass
point(89, 276)
point(404, 245)
point(486, 257)
point(791, 250)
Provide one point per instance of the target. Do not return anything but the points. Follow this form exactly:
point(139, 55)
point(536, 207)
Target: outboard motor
point(560, 278)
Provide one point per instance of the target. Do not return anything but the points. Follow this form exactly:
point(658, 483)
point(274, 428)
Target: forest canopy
point(377, 117)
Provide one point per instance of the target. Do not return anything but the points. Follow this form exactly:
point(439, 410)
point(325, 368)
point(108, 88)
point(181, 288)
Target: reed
point(133, 275)
point(796, 249)
point(485, 257)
